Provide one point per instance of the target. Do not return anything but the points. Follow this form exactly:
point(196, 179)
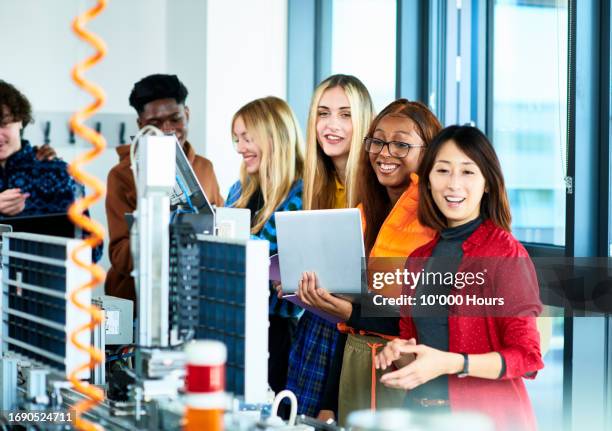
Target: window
point(529, 130)
point(545, 391)
point(610, 159)
point(529, 116)
point(363, 45)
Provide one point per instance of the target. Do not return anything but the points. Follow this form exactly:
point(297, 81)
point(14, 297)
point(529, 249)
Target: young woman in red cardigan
point(476, 362)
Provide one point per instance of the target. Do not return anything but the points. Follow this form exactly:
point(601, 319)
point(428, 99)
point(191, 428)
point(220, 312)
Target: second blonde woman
point(267, 136)
point(340, 114)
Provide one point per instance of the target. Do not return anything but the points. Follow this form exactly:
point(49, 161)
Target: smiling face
point(334, 124)
point(246, 146)
point(168, 116)
point(457, 185)
point(393, 172)
point(10, 138)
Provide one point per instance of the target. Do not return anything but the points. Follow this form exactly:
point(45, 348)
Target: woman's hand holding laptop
point(279, 289)
point(311, 293)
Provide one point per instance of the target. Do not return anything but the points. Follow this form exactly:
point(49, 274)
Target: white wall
point(135, 34)
point(186, 57)
point(246, 59)
point(37, 49)
point(40, 49)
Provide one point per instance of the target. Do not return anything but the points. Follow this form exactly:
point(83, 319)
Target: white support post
point(156, 177)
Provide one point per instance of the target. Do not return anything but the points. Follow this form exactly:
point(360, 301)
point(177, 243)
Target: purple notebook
point(274, 268)
point(322, 314)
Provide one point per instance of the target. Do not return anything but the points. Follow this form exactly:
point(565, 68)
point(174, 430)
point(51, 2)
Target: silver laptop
point(328, 242)
point(187, 189)
point(189, 194)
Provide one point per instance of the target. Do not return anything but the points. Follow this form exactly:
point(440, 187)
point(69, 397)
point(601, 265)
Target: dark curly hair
point(14, 104)
point(155, 87)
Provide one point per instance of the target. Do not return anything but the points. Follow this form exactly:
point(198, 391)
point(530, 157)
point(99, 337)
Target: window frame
point(308, 51)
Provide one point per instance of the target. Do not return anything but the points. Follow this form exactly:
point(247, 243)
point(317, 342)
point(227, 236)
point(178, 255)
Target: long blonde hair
point(320, 175)
point(273, 127)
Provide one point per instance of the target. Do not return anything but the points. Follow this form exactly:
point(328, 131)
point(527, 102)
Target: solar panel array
point(233, 306)
point(222, 305)
point(37, 280)
point(184, 280)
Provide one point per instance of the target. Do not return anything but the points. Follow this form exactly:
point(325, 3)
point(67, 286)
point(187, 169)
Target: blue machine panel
point(222, 305)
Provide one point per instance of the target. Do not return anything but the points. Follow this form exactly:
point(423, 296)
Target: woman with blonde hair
point(267, 136)
point(340, 114)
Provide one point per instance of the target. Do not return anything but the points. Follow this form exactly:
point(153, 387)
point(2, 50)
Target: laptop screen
point(48, 224)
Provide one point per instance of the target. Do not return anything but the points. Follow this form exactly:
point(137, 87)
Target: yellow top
point(340, 197)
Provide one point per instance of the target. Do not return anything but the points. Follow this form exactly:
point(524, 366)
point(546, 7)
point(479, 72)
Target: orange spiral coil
point(94, 395)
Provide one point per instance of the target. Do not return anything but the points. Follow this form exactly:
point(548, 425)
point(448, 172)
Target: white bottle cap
point(206, 352)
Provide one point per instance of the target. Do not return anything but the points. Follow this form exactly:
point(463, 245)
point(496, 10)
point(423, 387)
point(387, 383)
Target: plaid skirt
point(309, 361)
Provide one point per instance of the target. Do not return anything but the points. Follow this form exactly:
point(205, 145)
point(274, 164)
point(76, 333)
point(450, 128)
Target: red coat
point(515, 338)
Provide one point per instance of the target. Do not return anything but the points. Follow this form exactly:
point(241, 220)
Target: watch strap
point(466, 366)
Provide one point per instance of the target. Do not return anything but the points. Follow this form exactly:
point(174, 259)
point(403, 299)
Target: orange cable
point(93, 394)
point(373, 347)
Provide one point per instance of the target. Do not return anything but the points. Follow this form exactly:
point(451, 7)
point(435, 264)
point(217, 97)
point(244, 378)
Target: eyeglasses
point(396, 148)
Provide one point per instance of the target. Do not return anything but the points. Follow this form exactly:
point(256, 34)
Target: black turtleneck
point(431, 321)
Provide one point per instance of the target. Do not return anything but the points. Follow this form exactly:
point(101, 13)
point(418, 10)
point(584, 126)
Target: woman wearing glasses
point(466, 358)
point(394, 147)
point(267, 136)
point(340, 114)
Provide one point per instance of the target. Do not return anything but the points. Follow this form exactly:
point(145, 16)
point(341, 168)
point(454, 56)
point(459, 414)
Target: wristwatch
point(466, 366)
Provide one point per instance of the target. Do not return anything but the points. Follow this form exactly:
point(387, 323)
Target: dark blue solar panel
point(33, 303)
point(222, 304)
